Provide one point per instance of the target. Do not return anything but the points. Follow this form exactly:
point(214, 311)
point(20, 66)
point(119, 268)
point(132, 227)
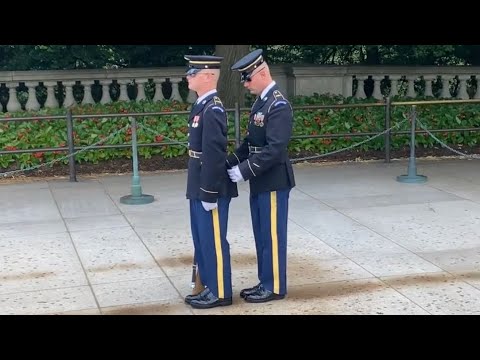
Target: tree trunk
point(230, 89)
point(373, 55)
point(475, 55)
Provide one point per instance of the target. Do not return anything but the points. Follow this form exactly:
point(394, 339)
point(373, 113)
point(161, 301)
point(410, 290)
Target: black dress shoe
point(245, 292)
point(206, 300)
point(263, 295)
point(189, 298)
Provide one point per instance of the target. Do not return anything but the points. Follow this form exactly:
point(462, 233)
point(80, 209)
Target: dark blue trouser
point(269, 211)
point(212, 250)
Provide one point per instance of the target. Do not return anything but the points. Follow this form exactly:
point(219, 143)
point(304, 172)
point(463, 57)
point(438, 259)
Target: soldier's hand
point(235, 174)
point(209, 206)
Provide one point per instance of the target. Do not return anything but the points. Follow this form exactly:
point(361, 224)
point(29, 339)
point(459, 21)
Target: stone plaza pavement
point(359, 243)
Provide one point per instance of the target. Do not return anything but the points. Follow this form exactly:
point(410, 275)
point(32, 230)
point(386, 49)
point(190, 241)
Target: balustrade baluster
point(106, 98)
point(69, 99)
point(13, 103)
point(32, 102)
point(51, 101)
point(158, 89)
point(175, 93)
point(87, 92)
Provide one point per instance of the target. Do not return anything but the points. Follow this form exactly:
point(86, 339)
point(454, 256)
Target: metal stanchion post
point(412, 177)
point(388, 113)
point(71, 147)
point(136, 198)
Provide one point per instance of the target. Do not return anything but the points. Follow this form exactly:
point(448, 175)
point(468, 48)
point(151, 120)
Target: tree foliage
point(59, 57)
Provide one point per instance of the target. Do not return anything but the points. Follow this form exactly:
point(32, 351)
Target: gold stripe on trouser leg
point(273, 229)
point(218, 252)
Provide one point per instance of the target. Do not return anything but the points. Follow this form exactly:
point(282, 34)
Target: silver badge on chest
point(258, 119)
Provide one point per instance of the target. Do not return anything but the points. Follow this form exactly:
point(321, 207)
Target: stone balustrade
point(379, 81)
point(31, 90)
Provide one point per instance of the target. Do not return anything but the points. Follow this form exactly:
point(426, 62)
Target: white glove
point(209, 206)
point(235, 174)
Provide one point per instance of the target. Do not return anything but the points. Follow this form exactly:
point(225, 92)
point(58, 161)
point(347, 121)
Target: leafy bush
point(319, 125)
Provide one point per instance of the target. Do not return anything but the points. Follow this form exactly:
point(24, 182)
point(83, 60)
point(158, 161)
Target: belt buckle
point(255, 149)
point(194, 154)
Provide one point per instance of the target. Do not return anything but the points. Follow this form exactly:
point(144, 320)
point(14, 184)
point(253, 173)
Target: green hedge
point(53, 133)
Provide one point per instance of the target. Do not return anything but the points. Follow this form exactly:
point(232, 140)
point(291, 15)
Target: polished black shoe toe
point(189, 298)
point(263, 295)
point(245, 292)
point(206, 300)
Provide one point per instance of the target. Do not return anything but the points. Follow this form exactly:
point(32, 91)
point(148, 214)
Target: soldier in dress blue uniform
point(263, 160)
point(209, 187)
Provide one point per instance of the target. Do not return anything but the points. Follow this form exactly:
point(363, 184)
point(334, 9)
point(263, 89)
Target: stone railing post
point(13, 103)
point(105, 92)
point(347, 90)
point(394, 85)
point(69, 99)
point(141, 89)
point(158, 89)
point(462, 87)
point(87, 92)
point(411, 86)
point(51, 101)
point(32, 102)
point(445, 87)
point(360, 94)
point(175, 93)
point(123, 90)
point(428, 84)
point(377, 90)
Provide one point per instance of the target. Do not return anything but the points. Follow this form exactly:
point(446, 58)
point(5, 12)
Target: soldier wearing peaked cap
point(263, 160)
point(209, 188)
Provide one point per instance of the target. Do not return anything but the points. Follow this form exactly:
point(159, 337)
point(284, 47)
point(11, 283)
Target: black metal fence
point(69, 118)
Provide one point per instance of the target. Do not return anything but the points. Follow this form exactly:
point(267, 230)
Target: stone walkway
point(359, 243)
